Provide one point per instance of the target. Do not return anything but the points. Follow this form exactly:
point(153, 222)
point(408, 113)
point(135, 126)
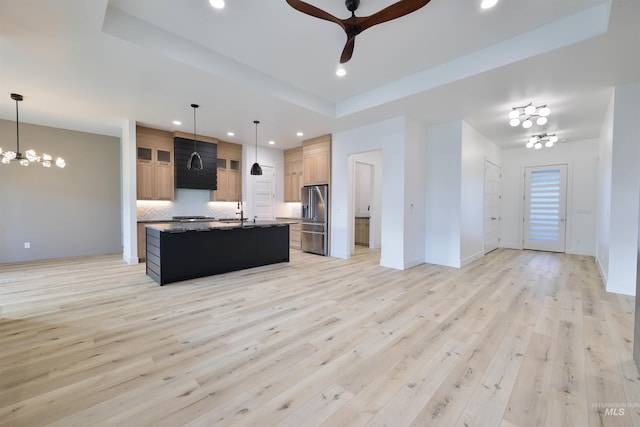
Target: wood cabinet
point(294, 236)
point(229, 173)
point(154, 164)
point(316, 160)
point(362, 231)
point(142, 242)
point(293, 179)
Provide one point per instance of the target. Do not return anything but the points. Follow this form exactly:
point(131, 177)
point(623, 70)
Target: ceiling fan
point(356, 24)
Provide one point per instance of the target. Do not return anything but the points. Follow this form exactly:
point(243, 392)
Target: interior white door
point(492, 200)
point(264, 194)
point(545, 208)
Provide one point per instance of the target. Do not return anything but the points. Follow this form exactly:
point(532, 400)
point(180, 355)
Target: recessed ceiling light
point(271, 142)
point(230, 134)
point(218, 4)
point(488, 4)
point(299, 134)
point(340, 72)
point(177, 122)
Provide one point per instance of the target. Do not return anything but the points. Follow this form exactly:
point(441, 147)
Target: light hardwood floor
point(517, 338)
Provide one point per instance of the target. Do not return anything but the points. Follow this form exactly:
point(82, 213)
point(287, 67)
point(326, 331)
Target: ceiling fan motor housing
point(352, 5)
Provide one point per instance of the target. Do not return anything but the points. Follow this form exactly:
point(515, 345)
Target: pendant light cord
point(194, 126)
point(256, 122)
point(17, 129)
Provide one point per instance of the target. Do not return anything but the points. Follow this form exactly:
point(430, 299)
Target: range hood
point(200, 179)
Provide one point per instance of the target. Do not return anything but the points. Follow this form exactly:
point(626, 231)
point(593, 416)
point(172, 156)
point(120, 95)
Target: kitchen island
point(182, 251)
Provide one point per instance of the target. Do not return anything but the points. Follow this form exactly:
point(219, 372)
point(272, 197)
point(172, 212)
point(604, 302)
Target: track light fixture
point(527, 114)
point(537, 141)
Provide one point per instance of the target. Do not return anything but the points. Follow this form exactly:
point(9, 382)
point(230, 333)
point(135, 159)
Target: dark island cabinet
point(173, 256)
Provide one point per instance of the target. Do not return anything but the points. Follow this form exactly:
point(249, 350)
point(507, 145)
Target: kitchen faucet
point(241, 208)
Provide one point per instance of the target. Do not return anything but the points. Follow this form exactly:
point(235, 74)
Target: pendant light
point(255, 168)
point(29, 156)
point(195, 161)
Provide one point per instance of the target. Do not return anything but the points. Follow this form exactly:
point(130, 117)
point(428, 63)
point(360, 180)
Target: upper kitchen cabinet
point(154, 165)
point(316, 160)
point(292, 174)
point(229, 173)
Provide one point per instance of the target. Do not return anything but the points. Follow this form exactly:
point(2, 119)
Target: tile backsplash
point(187, 202)
point(196, 202)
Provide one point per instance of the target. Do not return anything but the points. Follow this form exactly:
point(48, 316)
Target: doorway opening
point(363, 180)
point(365, 209)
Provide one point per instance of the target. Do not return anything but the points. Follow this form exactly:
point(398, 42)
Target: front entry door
point(545, 208)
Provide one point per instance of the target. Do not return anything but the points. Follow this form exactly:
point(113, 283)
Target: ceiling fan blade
point(348, 50)
point(308, 9)
point(396, 10)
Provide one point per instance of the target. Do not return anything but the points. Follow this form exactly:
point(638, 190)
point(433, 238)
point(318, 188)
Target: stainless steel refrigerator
point(315, 219)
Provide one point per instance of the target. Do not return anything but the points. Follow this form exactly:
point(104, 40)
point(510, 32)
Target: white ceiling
point(90, 64)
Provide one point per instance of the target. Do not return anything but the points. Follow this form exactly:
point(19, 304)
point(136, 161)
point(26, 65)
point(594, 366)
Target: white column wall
point(415, 177)
point(388, 136)
point(129, 192)
point(442, 194)
point(605, 148)
point(625, 190)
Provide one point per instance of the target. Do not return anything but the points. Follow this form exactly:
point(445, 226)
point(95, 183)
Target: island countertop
point(179, 227)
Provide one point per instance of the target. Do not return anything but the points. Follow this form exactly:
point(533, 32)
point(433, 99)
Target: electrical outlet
point(27, 245)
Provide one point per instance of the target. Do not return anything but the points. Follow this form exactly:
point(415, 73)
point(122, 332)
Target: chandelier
point(527, 113)
point(29, 156)
point(537, 141)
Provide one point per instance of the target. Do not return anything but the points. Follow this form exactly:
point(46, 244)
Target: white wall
point(581, 159)
point(442, 194)
point(625, 189)
point(388, 136)
point(415, 177)
point(67, 212)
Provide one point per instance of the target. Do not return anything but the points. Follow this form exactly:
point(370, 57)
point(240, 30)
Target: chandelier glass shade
point(527, 114)
point(29, 156)
point(543, 139)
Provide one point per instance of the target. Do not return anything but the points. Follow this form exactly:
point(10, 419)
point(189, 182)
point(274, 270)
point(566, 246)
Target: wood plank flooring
point(517, 338)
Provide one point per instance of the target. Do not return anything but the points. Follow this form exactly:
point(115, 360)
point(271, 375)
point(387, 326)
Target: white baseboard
point(511, 245)
point(603, 274)
point(130, 259)
point(471, 258)
point(413, 263)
